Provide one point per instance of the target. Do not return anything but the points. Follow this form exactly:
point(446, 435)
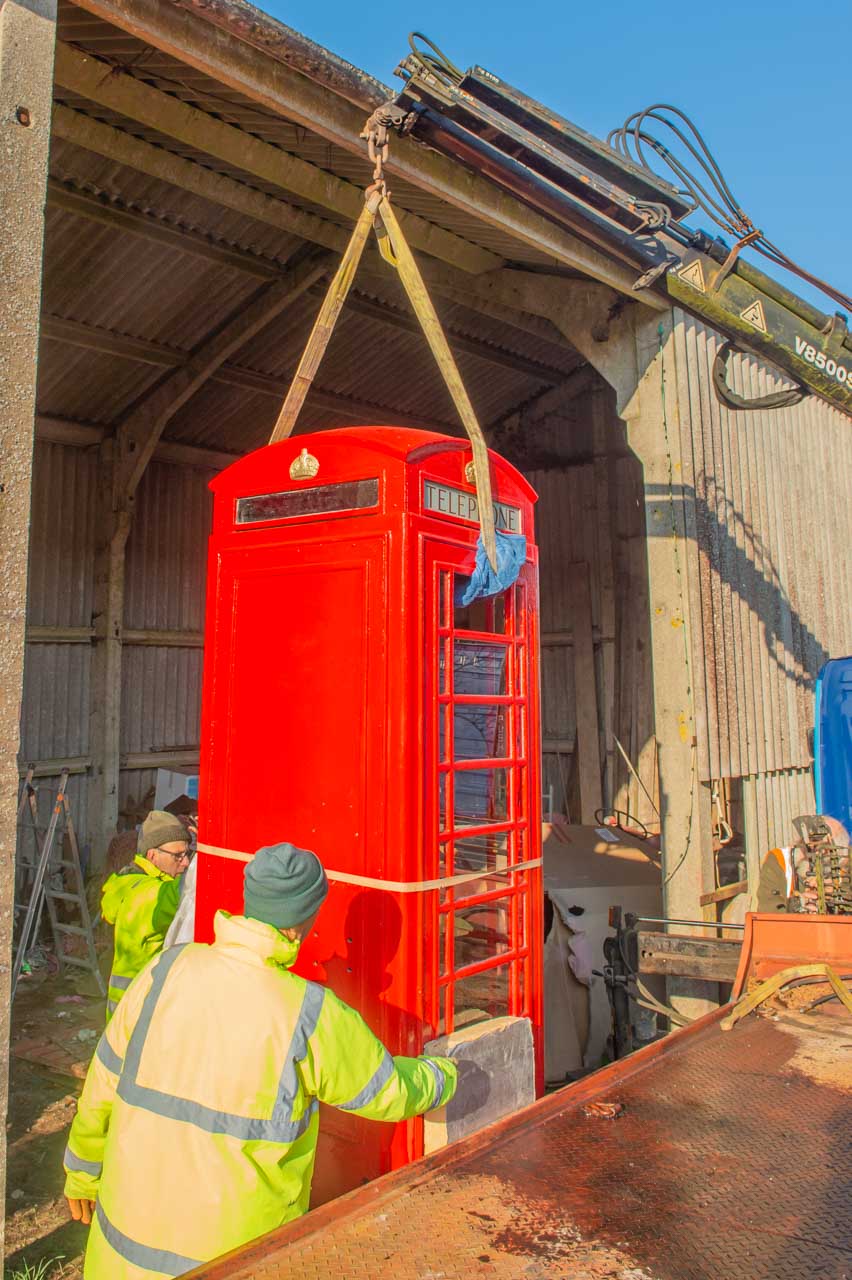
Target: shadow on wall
point(748, 571)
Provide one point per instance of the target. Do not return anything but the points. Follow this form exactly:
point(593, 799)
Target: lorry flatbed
point(732, 1157)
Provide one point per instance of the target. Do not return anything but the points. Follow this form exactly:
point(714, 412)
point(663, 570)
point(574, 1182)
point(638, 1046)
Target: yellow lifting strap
point(773, 985)
point(394, 249)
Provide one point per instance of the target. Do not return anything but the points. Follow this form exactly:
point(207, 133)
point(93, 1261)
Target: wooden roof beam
point(117, 90)
point(146, 352)
point(164, 166)
point(83, 435)
point(148, 226)
point(140, 432)
point(271, 83)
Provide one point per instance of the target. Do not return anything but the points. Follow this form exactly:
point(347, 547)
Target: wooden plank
point(585, 692)
point(678, 955)
point(727, 892)
point(55, 768)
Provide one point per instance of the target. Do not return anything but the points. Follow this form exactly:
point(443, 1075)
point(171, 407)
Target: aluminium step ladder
point(42, 894)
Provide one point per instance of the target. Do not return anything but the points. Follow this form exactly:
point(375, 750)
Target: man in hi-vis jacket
point(196, 1130)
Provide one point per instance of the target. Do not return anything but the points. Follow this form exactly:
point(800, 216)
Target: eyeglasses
point(178, 857)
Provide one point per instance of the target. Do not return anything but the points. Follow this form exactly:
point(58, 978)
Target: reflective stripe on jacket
point(140, 901)
point(197, 1127)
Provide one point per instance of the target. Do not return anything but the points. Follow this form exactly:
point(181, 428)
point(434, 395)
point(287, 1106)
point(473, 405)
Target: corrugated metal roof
point(100, 276)
point(771, 578)
point(106, 283)
point(88, 386)
point(85, 171)
point(190, 85)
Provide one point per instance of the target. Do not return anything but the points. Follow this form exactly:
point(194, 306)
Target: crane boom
point(601, 194)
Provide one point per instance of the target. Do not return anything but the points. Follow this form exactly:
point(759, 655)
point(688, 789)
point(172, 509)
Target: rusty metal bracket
point(728, 265)
point(729, 398)
point(836, 332)
point(653, 274)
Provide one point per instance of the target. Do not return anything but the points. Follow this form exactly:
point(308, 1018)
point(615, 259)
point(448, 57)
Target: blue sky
point(767, 83)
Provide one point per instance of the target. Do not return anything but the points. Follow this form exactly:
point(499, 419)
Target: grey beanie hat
point(284, 886)
point(160, 828)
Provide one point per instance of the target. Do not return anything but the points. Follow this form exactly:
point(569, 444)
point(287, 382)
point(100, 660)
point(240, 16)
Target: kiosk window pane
point(443, 923)
point(443, 712)
point(473, 616)
point(487, 881)
point(487, 614)
point(442, 801)
point(485, 995)
point(480, 853)
point(443, 666)
point(481, 796)
point(479, 668)
point(481, 932)
point(443, 598)
point(479, 732)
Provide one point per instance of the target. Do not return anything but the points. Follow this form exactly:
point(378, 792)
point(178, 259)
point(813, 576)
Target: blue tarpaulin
point(511, 554)
point(833, 741)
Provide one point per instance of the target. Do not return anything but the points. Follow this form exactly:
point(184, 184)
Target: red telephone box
point(352, 706)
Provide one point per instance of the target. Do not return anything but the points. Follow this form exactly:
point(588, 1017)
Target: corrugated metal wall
point(167, 549)
point(772, 576)
point(55, 710)
point(166, 575)
point(166, 571)
point(592, 512)
point(770, 803)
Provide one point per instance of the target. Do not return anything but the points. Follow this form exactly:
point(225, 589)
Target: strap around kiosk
point(392, 886)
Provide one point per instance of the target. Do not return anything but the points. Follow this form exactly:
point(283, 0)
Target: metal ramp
point(732, 1156)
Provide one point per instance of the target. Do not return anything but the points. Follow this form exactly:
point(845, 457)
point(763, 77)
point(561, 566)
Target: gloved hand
point(81, 1210)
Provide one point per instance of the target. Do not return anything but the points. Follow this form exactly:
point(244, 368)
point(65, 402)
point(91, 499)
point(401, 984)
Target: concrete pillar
point(653, 423)
point(633, 348)
point(27, 39)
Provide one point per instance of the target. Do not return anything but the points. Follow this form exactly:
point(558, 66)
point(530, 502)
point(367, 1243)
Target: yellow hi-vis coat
point(141, 902)
point(197, 1127)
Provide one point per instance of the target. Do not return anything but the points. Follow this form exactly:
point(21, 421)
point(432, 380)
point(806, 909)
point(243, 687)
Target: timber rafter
point(486, 295)
point(275, 86)
point(108, 212)
point(117, 90)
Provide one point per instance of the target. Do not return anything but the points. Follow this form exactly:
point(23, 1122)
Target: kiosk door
point(485, 810)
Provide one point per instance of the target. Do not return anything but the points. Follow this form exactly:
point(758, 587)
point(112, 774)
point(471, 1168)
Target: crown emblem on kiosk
point(304, 467)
